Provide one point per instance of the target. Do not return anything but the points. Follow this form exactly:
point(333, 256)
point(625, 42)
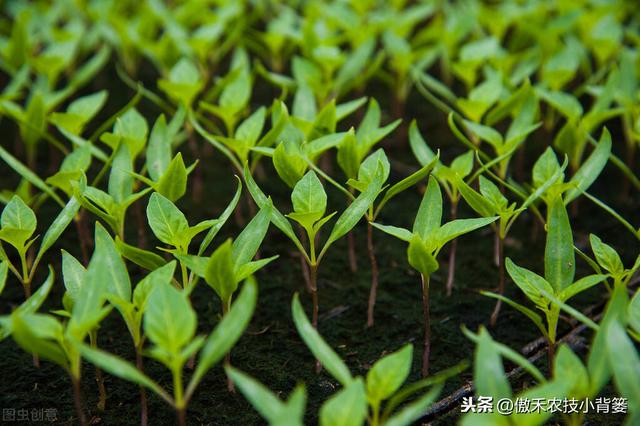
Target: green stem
point(427, 325)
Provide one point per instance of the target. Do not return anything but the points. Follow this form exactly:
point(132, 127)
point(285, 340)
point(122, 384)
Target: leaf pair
point(428, 235)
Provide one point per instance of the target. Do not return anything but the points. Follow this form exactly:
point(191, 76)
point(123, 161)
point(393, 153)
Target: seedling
point(425, 242)
point(461, 166)
point(366, 173)
point(549, 293)
point(17, 226)
point(170, 324)
point(309, 205)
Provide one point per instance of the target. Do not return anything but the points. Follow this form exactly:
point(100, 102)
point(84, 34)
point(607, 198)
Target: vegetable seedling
point(549, 293)
point(425, 242)
point(309, 205)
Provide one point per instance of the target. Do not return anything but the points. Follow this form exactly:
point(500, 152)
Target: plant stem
point(181, 415)
point(144, 416)
point(227, 358)
point(427, 325)
point(102, 392)
point(83, 236)
point(501, 279)
point(313, 278)
point(374, 275)
point(451, 275)
point(77, 400)
point(353, 261)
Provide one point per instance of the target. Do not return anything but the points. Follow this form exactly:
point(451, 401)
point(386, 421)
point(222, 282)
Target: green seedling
point(426, 240)
point(170, 324)
point(490, 201)
point(309, 206)
point(365, 176)
point(607, 260)
point(52, 340)
point(17, 226)
point(355, 147)
point(460, 166)
point(551, 292)
point(611, 356)
point(361, 399)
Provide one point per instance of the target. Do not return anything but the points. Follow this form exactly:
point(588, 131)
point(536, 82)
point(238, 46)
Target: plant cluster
point(122, 118)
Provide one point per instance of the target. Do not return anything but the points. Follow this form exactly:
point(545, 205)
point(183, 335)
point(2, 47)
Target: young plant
point(49, 338)
point(425, 242)
point(549, 293)
point(366, 173)
point(355, 147)
point(360, 398)
point(17, 226)
point(460, 166)
point(490, 201)
point(611, 355)
point(309, 205)
point(170, 324)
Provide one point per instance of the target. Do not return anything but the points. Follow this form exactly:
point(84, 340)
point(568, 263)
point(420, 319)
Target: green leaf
point(121, 178)
point(420, 256)
point(606, 256)
point(263, 400)
point(288, 162)
point(486, 133)
point(348, 407)
point(169, 320)
point(569, 368)
point(347, 156)
point(530, 283)
point(429, 216)
point(158, 154)
point(27, 331)
point(120, 368)
point(32, 304)
point(559, 257)
point(173, 182)
point(227, 332)
point(581, 285)
point(73, 274)
point(112, 267)
point(320, 349)
point(248, 242)
point(400, 233)
point(245, 271)
point(17, 222)
point(167, 222)
point(414, 410)
point(250, 129)
point(598, 363)
point(28, 175)
point(419, 147)
point(358, 207)
point(591, 168)
point(143, 258)
point(458, 227)
point(219, 272)
point(545, 167)
point(277, 218)
point(408, 182)
point(58, 226)
point(4, 272)
point(309, 197)
point(184, 82)
point(489, 376)
point(624, 362)
point(388, 374)
point(222, 219)
point(164, 274)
